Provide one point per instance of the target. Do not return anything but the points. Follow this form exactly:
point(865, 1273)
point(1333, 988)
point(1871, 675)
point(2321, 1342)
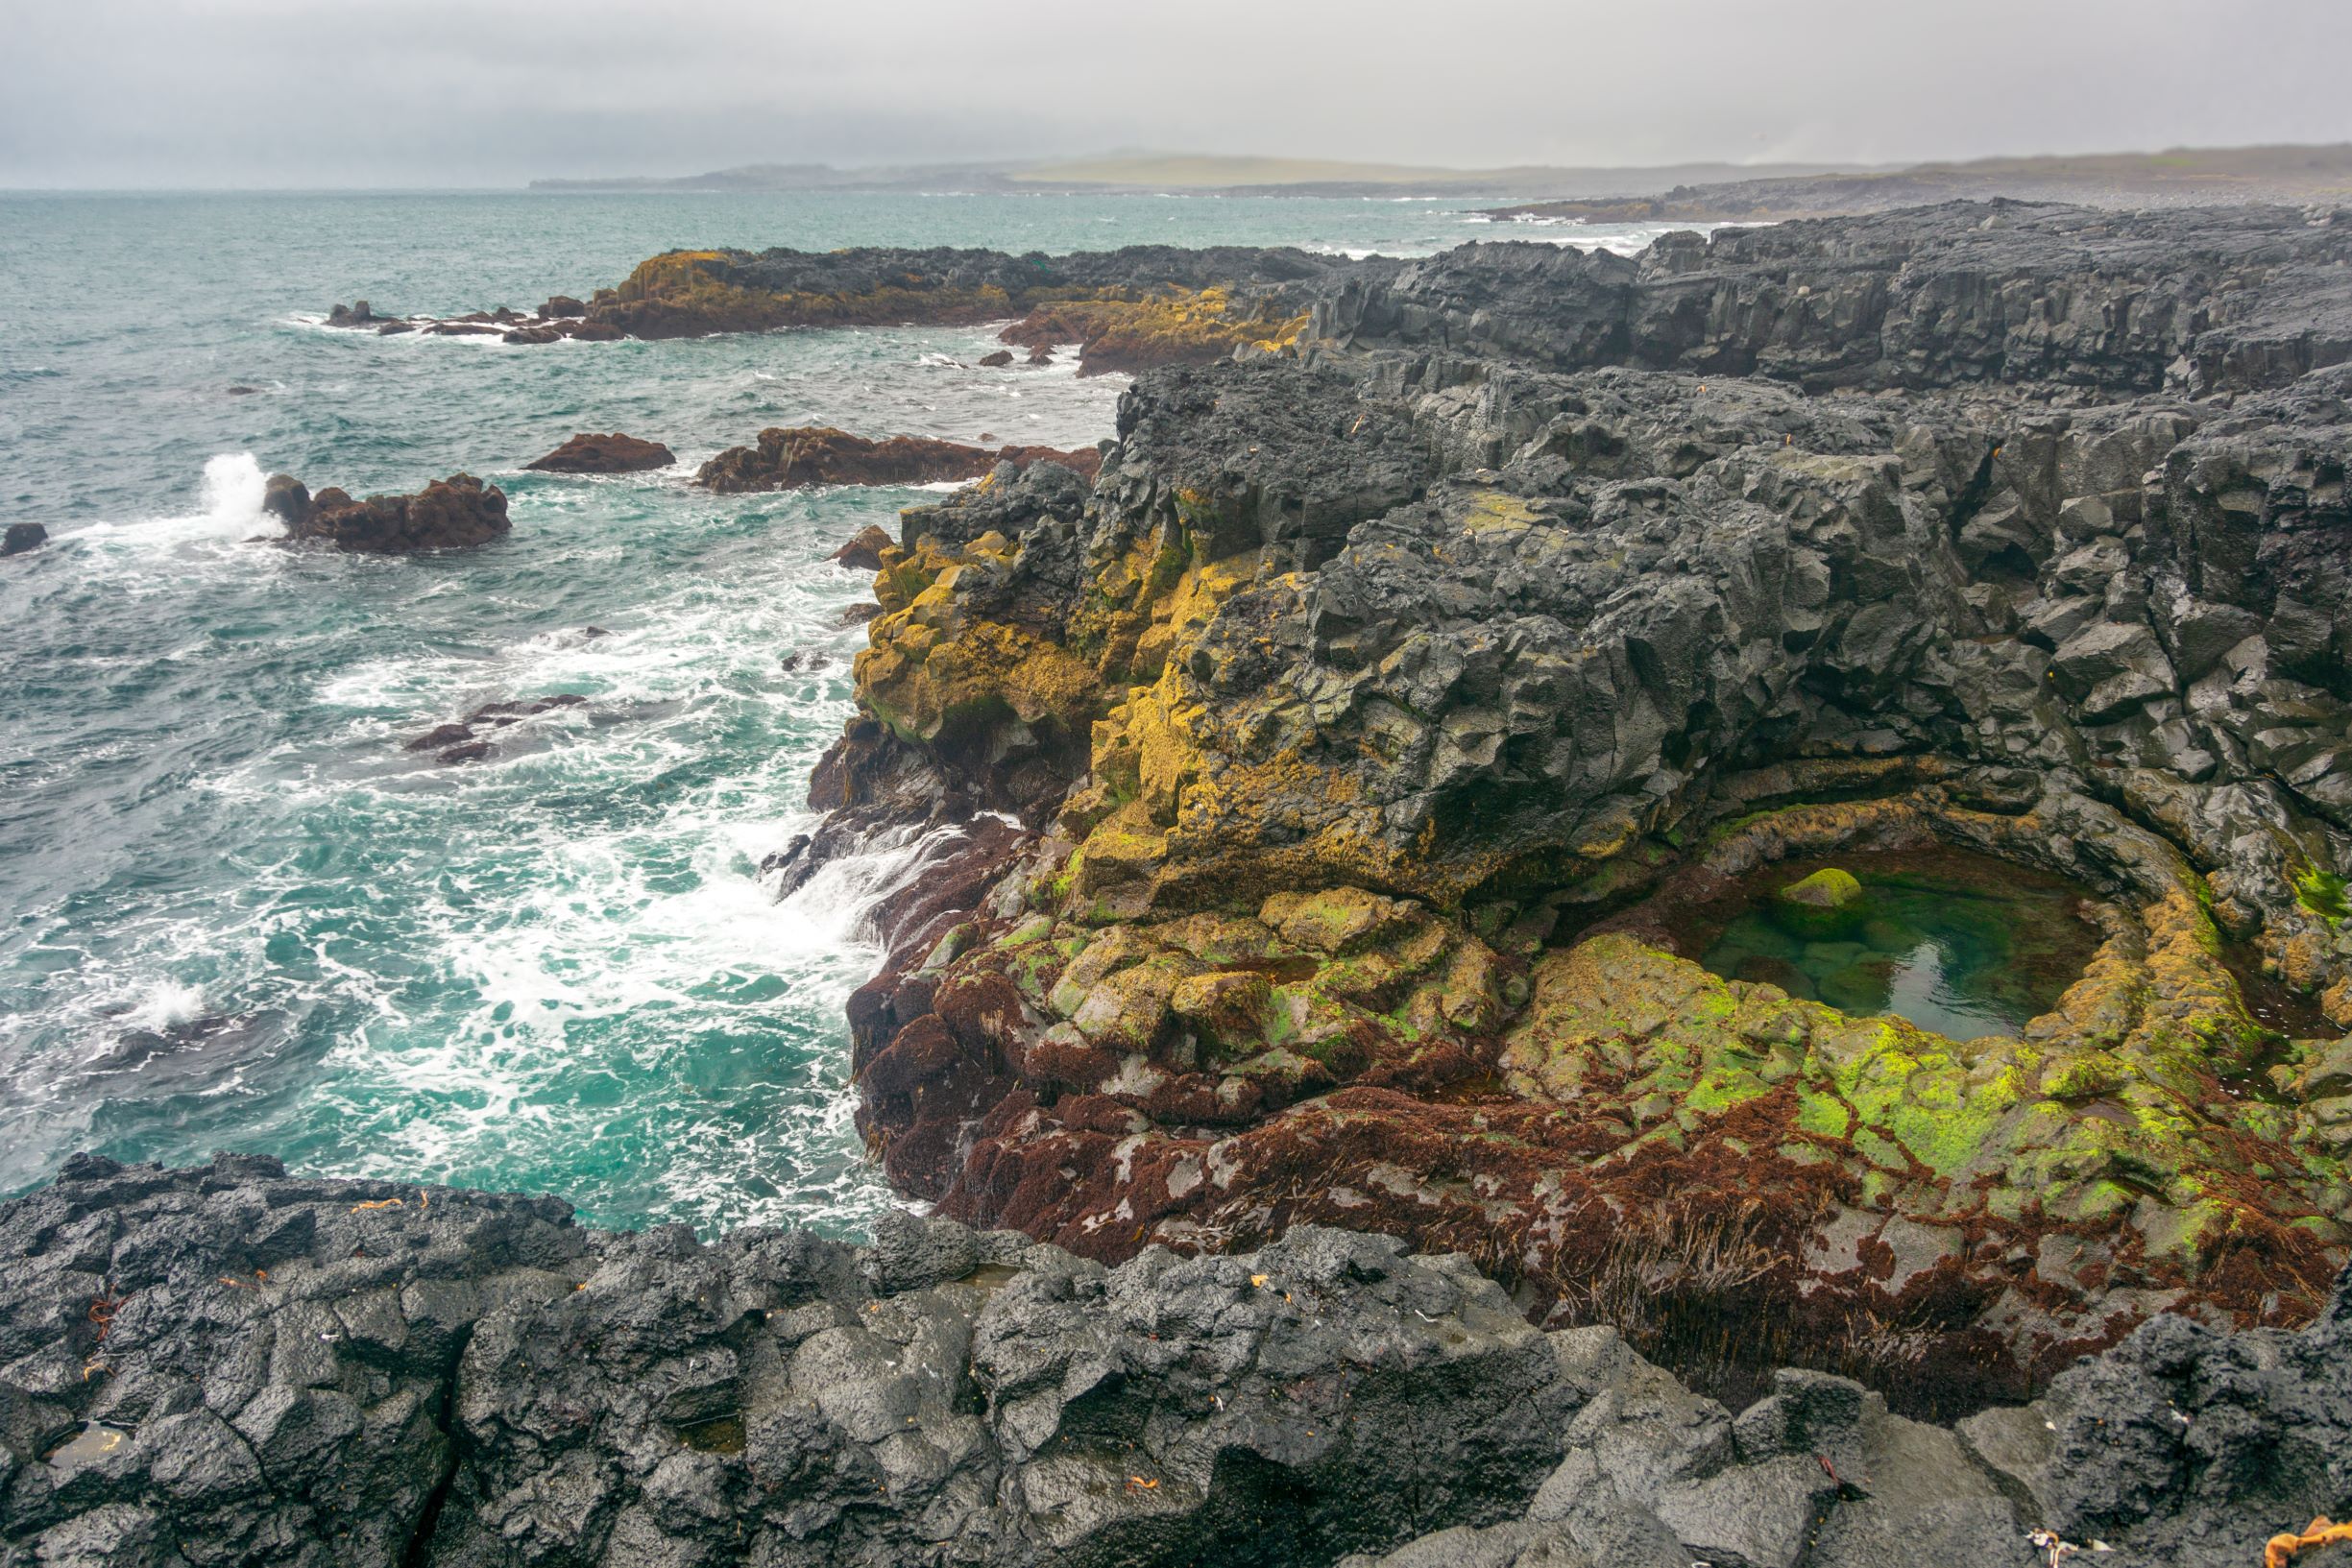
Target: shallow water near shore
point(238, 913)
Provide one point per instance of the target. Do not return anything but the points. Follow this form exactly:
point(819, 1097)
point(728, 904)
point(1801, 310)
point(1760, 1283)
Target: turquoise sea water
point(234, 912)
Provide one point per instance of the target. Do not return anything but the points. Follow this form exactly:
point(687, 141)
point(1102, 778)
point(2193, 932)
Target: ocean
point(238, 913)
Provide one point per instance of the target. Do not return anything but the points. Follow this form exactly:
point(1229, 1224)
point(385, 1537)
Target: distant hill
point(2181, 176)
point(1202, 174)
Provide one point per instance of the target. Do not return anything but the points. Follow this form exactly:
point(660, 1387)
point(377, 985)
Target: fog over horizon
point(374, 94)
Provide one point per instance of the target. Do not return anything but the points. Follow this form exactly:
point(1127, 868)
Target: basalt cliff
point(1319, 802)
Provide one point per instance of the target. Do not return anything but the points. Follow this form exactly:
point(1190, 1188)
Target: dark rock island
point(452, 514)
point(614, 453)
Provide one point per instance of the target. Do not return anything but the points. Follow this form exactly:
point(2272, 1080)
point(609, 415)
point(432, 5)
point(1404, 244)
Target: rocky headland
point(454, 513)
point(803, 456)
point(1126, 309)
point(1385, 722)
point(228, 1364)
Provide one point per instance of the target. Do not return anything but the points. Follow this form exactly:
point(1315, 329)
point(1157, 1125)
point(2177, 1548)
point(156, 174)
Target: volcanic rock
point(226, 1363)
point(614, 453)
point(864, 553)
point(456, 513)
point(359, 316)
point(1374, 715)
point(793, 459)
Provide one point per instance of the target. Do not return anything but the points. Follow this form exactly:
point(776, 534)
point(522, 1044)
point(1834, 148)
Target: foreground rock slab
point(226, 1364)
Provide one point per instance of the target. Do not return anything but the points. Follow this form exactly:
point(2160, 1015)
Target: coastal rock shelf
point(1374, 718)
point(226, 1365)
point(793, 459)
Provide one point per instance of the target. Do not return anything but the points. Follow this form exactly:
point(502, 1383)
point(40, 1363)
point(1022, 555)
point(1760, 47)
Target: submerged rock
point(457, 513)
point(227, 1364)
point(614, 454)
point(465, 741)
point(803, 456)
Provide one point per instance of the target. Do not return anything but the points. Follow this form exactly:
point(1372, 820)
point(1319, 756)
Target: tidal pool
point(1960, 944)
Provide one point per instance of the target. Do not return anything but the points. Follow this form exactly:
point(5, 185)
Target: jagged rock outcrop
point(614, 453)
point(452, 514)
point(361, 318)
point(1377, 710)
point(863, 552)
point(2194, 300)
point(224, 1364)
point(802, 456)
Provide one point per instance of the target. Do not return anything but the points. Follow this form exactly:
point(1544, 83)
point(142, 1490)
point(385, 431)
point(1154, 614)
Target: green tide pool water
point(1959, 945)
point(236, 913)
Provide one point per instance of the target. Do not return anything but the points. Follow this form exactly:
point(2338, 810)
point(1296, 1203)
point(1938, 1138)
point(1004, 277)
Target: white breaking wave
point(166, 1005)
point(835, 907)
point(227, 512)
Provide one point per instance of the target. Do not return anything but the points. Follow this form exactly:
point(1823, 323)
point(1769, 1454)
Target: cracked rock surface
point(226, 1365)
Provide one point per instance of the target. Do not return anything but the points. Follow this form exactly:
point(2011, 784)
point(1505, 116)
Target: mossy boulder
point(1338, 920)
point(1824, 904)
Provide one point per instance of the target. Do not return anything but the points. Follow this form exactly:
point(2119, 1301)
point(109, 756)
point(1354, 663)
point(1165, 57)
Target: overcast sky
point(494, 93)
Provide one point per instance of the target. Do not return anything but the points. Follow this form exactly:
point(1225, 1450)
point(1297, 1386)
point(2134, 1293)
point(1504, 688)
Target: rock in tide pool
point(614, 454)
point(457, 513)
point(1827, 901)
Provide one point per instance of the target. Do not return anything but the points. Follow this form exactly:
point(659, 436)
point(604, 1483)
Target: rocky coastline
point(1318, 804)
point(1371, 718)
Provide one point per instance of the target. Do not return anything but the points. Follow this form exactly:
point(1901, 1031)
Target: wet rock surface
point(1370, 717)
point(614, 453)
point(224, 1364)
point(454, 513)
point(21, 536)
point(793, 459)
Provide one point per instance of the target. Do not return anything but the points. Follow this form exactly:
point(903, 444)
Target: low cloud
point(494, 93)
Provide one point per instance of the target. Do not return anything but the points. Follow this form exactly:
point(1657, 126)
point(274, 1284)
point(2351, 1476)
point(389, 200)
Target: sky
point(361, 94)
